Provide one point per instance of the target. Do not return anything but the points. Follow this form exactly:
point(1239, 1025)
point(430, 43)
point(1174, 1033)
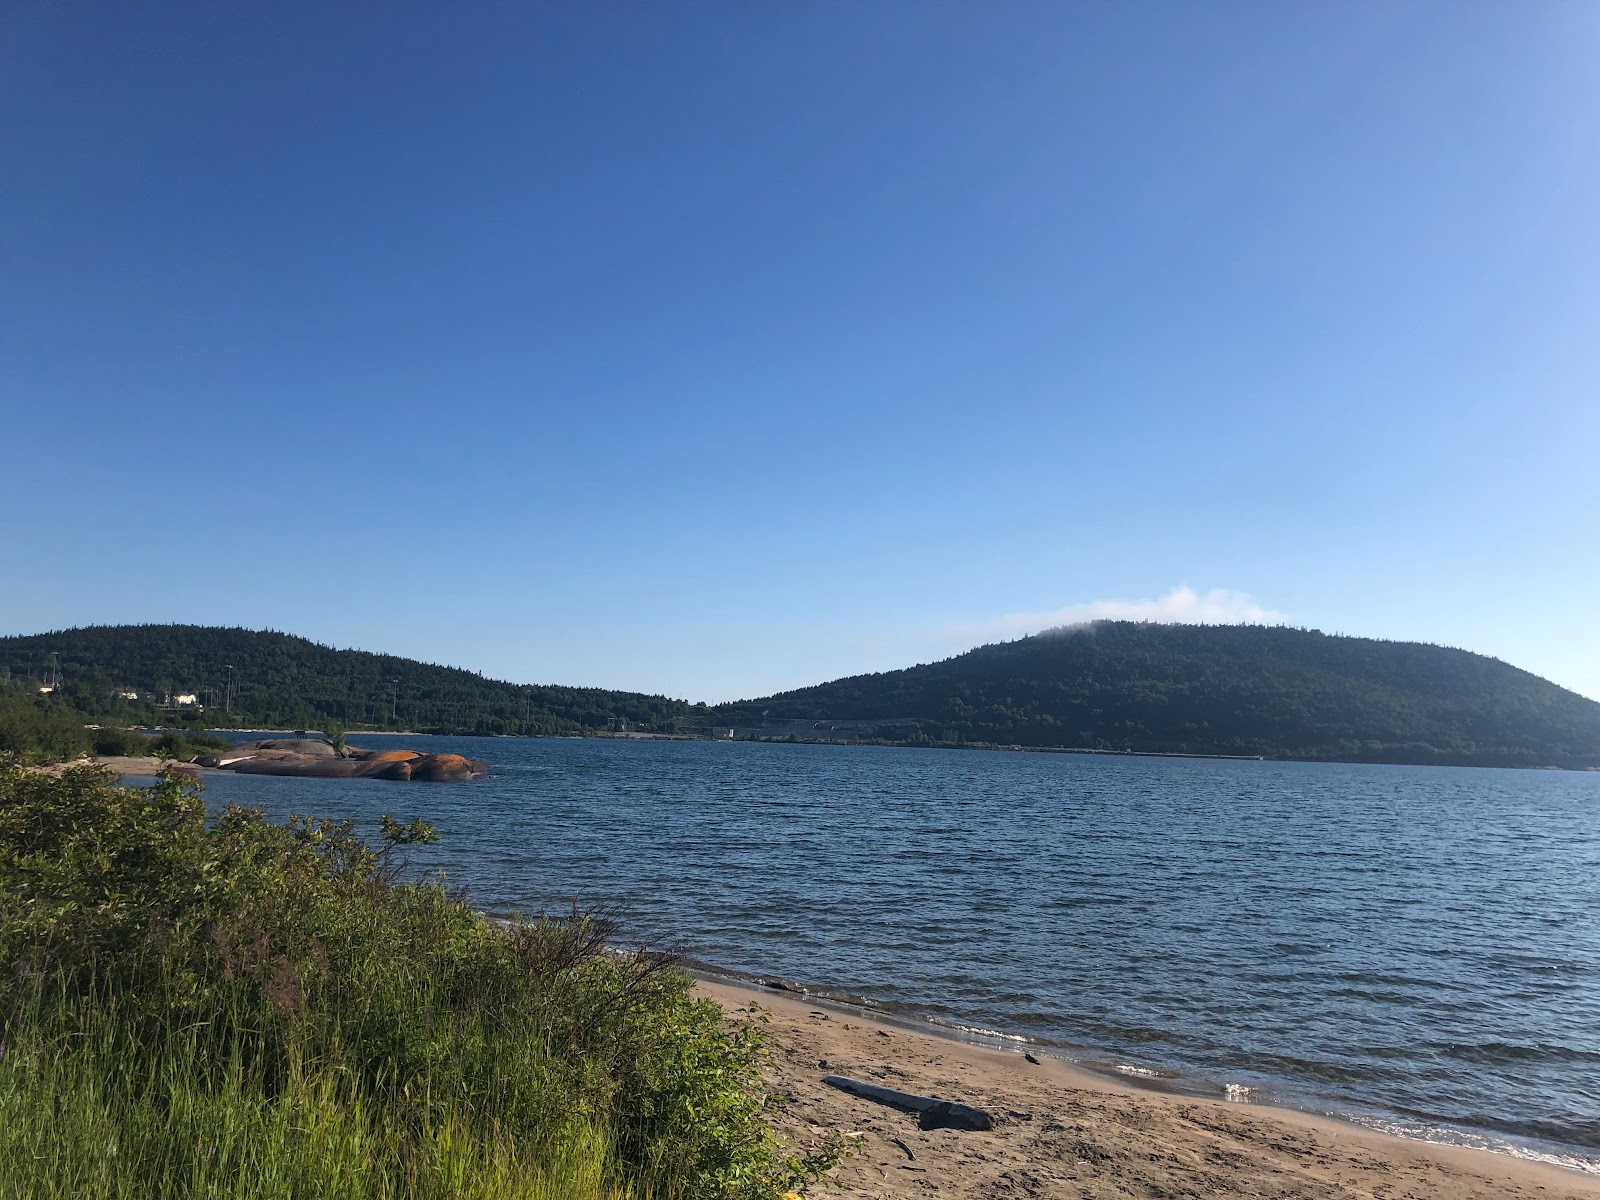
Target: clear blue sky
point(716, 348)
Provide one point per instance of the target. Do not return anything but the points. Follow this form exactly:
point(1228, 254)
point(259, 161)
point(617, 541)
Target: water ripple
point(1416, 946)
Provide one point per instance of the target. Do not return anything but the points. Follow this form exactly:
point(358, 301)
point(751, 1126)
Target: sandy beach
point(1063, 1132)
point(127, 766)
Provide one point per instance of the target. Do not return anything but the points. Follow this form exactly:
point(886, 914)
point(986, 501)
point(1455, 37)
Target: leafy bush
point(41, 730)
point(188, 745)
point(110, 740)
point(248, 1008)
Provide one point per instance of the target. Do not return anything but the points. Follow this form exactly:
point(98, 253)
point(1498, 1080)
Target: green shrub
point(110, 740)
point(188, 745)
point(41, 730)
point(245, 1008)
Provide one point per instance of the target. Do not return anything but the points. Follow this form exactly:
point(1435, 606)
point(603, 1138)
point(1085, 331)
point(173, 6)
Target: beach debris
point(1030, 1058)
point(932, 1113)
point(904, 1147)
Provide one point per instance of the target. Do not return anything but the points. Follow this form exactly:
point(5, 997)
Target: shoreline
point(998, 747)
point(1067, 1131)
point(128, 766)
point(1108, 1075)
point(1099, 1067)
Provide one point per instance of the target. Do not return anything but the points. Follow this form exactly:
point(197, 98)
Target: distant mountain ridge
point(284, 682)
point(1114, 685)
point(1215, 689)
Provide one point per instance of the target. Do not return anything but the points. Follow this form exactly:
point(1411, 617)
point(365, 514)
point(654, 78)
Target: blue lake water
point(1416, 948)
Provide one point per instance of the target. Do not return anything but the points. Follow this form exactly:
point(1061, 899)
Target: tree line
point(253, 679)
point(1272, 691)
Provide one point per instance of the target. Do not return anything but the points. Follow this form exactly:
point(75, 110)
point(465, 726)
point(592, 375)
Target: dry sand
point(126, 765)
point(1068, 1133)
point(1064, 1132)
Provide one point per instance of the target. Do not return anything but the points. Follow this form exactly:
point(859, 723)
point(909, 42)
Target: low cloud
point(1180, 606)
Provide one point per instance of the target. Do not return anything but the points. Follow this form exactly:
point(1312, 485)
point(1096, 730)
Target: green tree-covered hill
point(1253, 690)
point(1236, 689)
point(285, 682)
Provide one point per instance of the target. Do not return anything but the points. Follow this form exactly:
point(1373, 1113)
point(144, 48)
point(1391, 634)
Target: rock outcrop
point(316, 758)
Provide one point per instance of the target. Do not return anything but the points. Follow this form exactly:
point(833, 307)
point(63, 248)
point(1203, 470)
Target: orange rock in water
point(440, 768)
point(265, 759)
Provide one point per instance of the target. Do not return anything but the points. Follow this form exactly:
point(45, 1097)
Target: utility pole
point(394, 702)
point(227, 696)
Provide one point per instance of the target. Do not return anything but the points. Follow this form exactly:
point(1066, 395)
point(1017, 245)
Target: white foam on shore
point(1442, 1135)
point(1236, 1093)
point(979, 1031)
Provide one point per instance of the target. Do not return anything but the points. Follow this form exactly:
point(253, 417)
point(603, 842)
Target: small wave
point(1443, 1135)
point(980, 1031)
point(1497, 1053)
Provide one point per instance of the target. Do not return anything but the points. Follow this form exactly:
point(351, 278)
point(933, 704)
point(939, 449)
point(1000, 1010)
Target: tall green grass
point(86, 1113)
point(240, 1008)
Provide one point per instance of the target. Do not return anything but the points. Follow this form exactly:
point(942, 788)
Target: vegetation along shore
point(275, 1010)
point(245, 1008)
point(1109, 687)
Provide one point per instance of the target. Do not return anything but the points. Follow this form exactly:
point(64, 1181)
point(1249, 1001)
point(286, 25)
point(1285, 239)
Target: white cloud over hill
point(1181, 606)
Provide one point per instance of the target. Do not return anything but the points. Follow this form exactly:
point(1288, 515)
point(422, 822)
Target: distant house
point(127, 695)
point(189, 699)
point(722, 731)
point(46, 688)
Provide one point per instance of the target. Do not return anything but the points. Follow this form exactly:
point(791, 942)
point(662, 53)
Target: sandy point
point(1063, 1132)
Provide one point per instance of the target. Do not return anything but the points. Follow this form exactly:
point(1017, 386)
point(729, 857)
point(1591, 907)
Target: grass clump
point(186, 745)
point(238, 1008)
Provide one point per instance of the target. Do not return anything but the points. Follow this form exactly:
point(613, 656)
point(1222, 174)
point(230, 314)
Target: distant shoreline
point(792, 740)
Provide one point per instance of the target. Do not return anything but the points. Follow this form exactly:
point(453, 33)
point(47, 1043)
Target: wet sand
point(1063, 1132)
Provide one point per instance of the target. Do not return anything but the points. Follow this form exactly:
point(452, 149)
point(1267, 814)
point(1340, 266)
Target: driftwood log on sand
point(932, 1113)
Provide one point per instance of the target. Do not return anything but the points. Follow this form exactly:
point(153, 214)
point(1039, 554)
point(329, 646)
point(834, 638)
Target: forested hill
point(1236, 689)
point(284, 682)
point(1252, 690)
